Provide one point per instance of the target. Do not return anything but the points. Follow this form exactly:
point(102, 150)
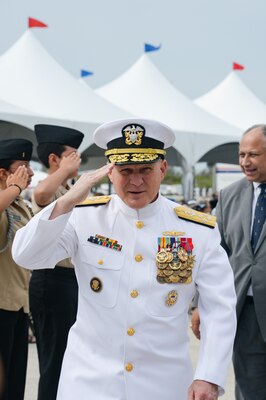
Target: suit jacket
point(234, 214)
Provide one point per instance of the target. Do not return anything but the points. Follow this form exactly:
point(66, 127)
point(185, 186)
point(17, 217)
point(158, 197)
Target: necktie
point(259, 216)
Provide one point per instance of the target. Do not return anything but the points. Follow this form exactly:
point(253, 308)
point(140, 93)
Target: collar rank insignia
point(195, 216)
point(94, 201)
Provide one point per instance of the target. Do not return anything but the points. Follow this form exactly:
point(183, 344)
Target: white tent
point(30, 78)
point(145, 92)
point(16, 122)
point(234, 102)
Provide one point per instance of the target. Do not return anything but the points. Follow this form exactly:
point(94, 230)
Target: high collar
point(145, 212)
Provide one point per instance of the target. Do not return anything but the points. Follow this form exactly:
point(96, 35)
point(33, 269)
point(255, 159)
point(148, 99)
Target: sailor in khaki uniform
point(15, 176)
point(138, 258)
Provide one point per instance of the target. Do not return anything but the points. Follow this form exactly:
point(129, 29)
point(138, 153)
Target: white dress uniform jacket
point(127, 343)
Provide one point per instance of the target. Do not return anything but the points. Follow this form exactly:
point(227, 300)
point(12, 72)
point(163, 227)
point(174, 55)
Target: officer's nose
point(136, 179)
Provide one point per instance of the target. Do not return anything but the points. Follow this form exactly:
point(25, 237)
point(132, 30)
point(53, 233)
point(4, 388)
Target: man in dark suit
point(241, 214)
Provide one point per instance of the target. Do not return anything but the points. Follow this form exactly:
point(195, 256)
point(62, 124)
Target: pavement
point(33, 372)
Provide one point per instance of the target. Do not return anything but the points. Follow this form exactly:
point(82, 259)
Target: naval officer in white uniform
point(138, 258)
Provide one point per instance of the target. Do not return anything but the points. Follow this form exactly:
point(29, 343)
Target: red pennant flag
point(238, 67)
point(34, 23)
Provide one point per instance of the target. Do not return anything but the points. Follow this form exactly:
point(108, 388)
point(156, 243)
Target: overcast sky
point(200, 38)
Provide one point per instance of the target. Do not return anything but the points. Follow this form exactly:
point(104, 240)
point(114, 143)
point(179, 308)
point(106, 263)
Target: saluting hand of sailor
point(20, 177)
point(71, 162)
point(80, 190)
point(202, 390)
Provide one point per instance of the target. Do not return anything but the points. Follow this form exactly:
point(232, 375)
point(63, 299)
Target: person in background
point(54, 292)
point(241, 214)
point(15, 176)
point(202, 206)
point(138, 257)
point(214, 201)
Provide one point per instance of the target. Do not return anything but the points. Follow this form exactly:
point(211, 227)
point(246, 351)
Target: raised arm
point(44, 193)
point(79, 191)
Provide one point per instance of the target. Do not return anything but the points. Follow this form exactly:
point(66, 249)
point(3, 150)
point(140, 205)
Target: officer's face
point(252, 155)
point(138, 185)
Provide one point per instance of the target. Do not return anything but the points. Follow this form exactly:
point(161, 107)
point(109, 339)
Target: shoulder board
point(195, 216)
point(94, 201)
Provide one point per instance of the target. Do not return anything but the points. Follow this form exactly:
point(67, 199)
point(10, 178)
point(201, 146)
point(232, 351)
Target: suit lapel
point(246, 211)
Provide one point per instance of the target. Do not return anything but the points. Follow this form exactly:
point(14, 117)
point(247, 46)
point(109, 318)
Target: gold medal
point(174, 265)
point(160, 279)
point(162, 256)
point(182, 254)
point(167, 271)
point(174, 278)
point(162, 265)
point(174, 259)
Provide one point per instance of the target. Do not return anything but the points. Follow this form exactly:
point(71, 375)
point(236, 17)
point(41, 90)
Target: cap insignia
point(133, 134)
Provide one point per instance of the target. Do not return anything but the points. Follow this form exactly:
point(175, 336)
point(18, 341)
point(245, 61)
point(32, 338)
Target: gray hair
point(262, 127)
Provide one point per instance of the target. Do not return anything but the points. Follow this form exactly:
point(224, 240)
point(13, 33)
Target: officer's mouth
point(136, 193)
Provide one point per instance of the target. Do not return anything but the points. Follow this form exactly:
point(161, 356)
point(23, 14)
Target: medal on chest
point(174, 260)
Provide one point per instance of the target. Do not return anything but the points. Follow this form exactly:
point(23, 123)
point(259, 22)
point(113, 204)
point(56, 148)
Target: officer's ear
point(163, 168)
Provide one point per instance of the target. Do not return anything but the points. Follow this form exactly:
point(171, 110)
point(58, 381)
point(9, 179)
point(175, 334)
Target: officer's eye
point(125, 171)
point(146, 171)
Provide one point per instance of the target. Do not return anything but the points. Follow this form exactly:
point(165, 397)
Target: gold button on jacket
point(139, 224)
point(128, 367)
point(131, 331)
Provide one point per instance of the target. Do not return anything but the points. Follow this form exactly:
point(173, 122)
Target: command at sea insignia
point(171, 298)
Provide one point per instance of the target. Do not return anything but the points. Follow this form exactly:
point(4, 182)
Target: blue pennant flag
point(149, 47)
point(84, 73)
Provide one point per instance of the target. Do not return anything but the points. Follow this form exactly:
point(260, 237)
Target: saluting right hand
point(20, 177)
point(80, 190)
point(71, 163)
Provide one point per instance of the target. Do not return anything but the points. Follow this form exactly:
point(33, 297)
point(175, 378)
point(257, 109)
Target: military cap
point(135, 140)
point(15, 149)
point(58, 134)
